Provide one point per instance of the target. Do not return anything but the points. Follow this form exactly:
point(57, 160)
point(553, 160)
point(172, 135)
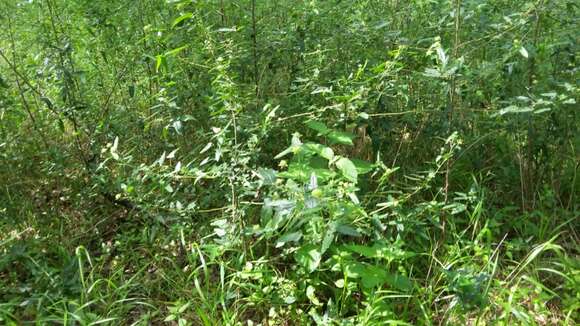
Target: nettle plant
point(312, 216)
point(314, 200)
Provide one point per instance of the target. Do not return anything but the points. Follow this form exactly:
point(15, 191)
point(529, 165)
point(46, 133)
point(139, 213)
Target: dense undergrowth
point(289, 162)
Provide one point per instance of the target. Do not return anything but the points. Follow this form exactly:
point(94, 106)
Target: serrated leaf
point(372, 276)
point(347, 168)
point(309, 257)
point(268, 176)
point(318, 126)
point(369, 252)
point(328, 237)
point(362, 167)
point(340, 137)
point(347, 230)
point(399, 282)
point(327, 153)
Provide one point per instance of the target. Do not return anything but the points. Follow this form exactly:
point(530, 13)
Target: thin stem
point(255, 48)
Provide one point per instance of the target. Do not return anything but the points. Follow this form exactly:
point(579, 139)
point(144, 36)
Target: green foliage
point(289, 162)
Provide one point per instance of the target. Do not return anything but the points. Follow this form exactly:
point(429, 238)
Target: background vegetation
point(289, 162)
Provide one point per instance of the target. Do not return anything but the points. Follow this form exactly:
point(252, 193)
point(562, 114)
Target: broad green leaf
point(321, 150)
point(347, 230)
point(302, 171)
point(362, 167)
point(366, 251)
point(309, 257)
point(327, 153)
point(347, 168)
point(318, 126)
point(268, 176)
point(372, 276)
point(288, 237)
point(312, 296)
point(399, 282)
point(340, 137)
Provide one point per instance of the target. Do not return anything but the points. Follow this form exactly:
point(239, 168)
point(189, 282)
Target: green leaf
point(513, 109)
point(328, 237)
point(340, 137)
point(373, 276)
point(347, 230)
point(309, 257)
point(430, 72)
point(175, 51)
point(347, 168)
point(268, 176)
point(327, 153)
point(284, 152)
point(538, 111)
point(302, 171)
point(181, 18)
point(288, 237)
point(294, 147)
point(321, 150)
point(399, 282)
point(170, 318)
point(160, 60)
point(310, 294)
point(318, 126)
point(524, 52)
point(369, 252)
point(183, 308)
point(362, 167)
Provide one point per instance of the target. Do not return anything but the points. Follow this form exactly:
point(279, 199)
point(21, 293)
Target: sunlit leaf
point(347, 168)
point(179, 20)
point(309, 257)
point(524, 52)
